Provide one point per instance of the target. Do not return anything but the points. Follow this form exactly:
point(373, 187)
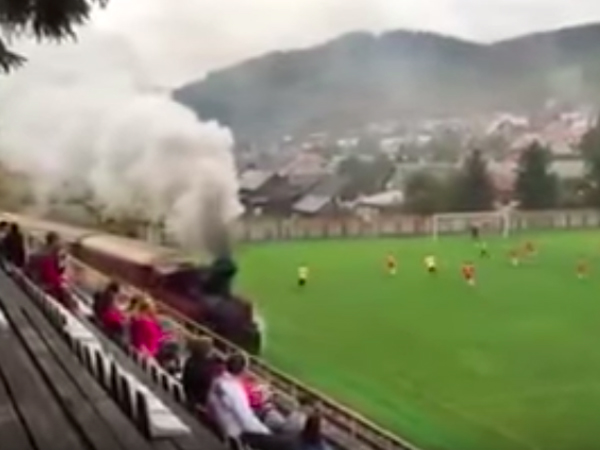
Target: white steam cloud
point(83, 117)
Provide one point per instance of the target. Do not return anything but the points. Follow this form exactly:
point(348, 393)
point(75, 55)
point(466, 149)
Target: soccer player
point(483, 250)
point(391, 264)
point(468, 273)
point(474, 231)
point(303, 273)
point(431, 264)
point(583, 269)
point(530, 248)
point(514, 257)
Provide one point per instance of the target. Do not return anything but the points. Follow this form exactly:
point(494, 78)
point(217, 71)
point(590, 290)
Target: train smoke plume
point(84, 118)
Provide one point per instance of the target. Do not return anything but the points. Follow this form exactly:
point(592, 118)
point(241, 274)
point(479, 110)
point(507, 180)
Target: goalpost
point(498, 221)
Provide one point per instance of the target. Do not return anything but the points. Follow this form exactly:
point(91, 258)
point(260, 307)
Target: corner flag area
point(512, 363)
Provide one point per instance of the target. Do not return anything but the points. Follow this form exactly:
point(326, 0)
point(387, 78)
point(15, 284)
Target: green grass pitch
point(511, 364)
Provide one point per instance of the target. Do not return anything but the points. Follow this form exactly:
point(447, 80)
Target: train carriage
point(163, 273)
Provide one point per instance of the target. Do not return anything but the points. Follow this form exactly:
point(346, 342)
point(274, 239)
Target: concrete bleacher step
point(46, 395)
point(163, 423)
point(169, 389)
point(102, 357)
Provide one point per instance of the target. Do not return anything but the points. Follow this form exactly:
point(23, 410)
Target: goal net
point(493, 222)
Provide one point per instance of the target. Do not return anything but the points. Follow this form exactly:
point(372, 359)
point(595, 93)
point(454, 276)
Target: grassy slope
point(511, 364)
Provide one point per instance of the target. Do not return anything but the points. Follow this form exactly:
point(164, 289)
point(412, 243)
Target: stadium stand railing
point(344, 428)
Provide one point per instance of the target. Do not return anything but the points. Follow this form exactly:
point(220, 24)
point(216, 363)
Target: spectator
point(134, 304)
point(199, 371)
point(13, 246)
point(170, 351)
point(107, 312)
point(311, 436)
point(296, 420)
point(3, 232)
point(169, 354)
point(104, 297)
point(46, 268)
point(260, 398)
point(228, 401)
point(144, 329)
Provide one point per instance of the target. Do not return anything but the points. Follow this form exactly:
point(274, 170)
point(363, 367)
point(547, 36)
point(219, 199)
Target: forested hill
point(361, 77)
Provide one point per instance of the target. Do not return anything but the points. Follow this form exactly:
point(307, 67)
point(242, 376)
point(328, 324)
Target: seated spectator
point(103, 298)
point(228, 401)
point(13, 246)
point(260, 398)
point(199, 371)
point(170, 352)
point(133, 305)
point(311, 436)
point(144, 329)
point(46, 268)
point(3, 228)
point(296, 420)
point(107, 312)
point(3, 231)
point(169, 355)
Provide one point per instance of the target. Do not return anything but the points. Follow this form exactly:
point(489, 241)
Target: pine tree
point(47, 19)
point(423, 193)
point(475, 191)
point(590, 150)
point(536, 187)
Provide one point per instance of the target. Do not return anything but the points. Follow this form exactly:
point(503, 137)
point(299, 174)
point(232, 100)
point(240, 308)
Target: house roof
point(253, 179)
point(382, 199)
point(568, 168)
point(321, 194)
point(405, 170)
point(329, 186)
point(311, 204)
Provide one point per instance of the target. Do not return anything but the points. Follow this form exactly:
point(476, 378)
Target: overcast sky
point(200, 35)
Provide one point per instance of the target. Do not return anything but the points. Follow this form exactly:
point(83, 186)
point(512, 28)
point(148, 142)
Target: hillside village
point(303, 176)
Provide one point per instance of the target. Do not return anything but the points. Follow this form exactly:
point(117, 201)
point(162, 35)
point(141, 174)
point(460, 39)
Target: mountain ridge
point(361, 77)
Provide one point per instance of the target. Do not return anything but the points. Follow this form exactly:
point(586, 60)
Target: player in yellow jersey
point(431, 264)
point(391, 264)
point(303, 273)
point(583, 268)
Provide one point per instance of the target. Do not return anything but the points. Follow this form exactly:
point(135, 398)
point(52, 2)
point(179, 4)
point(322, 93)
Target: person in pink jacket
point(146, 333)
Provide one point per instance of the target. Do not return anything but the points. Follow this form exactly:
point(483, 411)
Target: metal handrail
point(340, 419)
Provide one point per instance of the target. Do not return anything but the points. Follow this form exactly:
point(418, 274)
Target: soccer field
point(513, 363)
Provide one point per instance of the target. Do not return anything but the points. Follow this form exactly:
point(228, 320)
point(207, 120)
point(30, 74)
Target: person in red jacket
point(48, 270)
point(146, 333)
point(107, 312)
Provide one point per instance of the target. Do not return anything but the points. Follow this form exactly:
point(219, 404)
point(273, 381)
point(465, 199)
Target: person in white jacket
point(229, 403)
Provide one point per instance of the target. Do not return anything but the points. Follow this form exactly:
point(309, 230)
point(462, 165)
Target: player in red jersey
point(514, 257)
point(468, 273)
point(583, 269)
point(391, 264)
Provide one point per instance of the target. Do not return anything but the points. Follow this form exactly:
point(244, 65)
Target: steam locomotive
point(201, 293)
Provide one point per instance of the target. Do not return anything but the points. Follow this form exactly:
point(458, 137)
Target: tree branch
point(48, 19)
point(8, 59)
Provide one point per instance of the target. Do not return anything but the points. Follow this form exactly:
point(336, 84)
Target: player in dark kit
point(475, 232)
